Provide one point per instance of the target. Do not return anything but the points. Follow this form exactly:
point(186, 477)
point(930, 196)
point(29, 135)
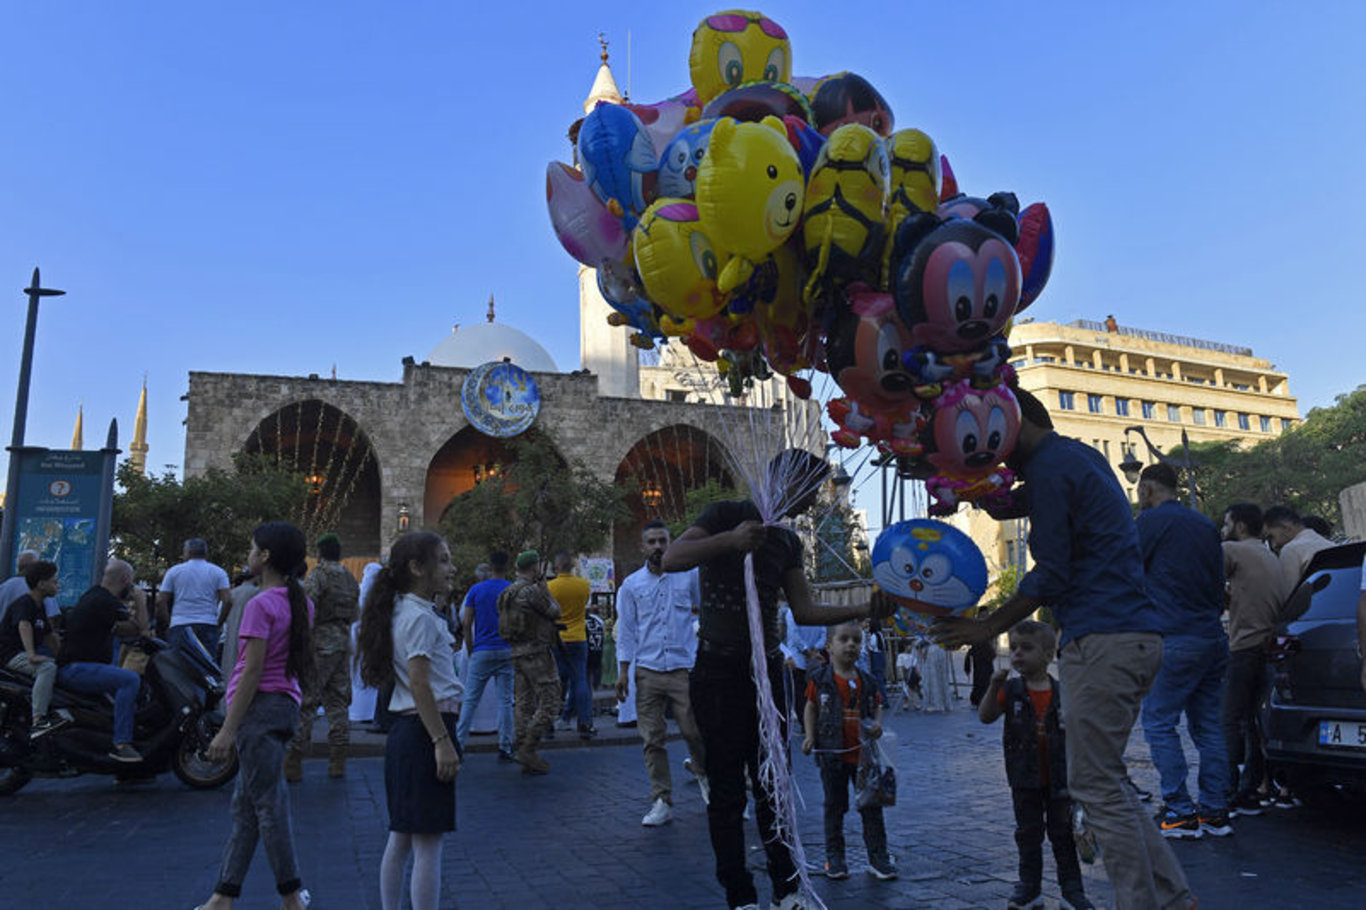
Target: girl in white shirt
point(404, 640)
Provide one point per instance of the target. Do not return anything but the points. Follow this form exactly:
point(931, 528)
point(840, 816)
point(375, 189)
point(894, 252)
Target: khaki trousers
point(654, 691)
point(1104, 679)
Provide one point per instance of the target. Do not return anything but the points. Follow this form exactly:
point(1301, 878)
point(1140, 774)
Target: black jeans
point(722, 695)
point(1244, 688)
point(837, 776)
point(1036, 811)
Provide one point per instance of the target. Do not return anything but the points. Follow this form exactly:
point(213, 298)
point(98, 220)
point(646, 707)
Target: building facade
point(1099, 379)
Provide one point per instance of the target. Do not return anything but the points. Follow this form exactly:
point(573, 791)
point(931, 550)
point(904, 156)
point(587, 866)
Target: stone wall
point(1353, 503)
point(408, 422)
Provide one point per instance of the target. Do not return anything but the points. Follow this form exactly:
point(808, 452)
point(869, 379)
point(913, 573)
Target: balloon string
point(775, 772)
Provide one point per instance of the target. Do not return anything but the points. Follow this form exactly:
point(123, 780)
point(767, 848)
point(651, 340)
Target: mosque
point(386, 456)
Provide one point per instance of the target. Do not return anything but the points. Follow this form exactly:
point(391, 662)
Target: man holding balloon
point(1089, 570)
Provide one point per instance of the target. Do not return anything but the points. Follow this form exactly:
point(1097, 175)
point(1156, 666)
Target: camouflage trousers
point(537, 696)
point(331, 687)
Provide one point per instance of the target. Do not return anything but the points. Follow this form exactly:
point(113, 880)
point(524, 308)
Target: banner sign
point(500, 399)
point(57, 513)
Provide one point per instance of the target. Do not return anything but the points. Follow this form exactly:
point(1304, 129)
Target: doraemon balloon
point(929, 567)
point(681, 159)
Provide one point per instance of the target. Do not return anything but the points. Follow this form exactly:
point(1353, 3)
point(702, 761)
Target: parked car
point(1315, 717)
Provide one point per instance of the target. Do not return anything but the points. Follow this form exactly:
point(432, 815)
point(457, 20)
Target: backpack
point(512, 619)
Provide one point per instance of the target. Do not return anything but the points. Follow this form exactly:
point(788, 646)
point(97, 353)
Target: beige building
point(1099, 378)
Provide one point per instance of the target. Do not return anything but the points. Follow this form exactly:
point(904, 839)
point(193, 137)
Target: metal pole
point(34, 291)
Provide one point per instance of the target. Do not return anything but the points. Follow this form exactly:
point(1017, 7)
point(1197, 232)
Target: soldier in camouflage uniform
point(336, 596)
point(538, 680)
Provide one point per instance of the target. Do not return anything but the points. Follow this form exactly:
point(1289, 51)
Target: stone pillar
point(1353, 503)
point(605, 350)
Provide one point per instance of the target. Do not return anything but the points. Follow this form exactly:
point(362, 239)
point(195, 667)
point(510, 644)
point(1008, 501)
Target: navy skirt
point(418, 802)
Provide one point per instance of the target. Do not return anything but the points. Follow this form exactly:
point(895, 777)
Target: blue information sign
point(57, 514)
point(500, 399)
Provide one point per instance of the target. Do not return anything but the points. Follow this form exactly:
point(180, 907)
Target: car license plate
point(1348, 733)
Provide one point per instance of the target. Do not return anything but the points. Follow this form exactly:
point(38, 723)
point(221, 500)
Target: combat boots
point(336, 761)
point(526, 756)
point(294, 766)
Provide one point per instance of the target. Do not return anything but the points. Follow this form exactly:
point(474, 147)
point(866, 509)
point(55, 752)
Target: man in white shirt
point(655, 612)
point(1293, 542)
point(16, 587)
point(195, 595)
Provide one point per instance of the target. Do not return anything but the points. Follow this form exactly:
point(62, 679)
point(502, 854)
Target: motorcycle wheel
point(12, 780)
point(194, 768)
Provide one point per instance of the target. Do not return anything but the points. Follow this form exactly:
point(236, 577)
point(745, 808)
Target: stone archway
point(328, 447)
point(462, 462)
point(658, 472)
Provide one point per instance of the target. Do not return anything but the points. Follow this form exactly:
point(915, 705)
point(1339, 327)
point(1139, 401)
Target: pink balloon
point(583, 225)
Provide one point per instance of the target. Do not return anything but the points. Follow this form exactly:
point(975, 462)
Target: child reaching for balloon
point(1036, 765)
point(842, 706)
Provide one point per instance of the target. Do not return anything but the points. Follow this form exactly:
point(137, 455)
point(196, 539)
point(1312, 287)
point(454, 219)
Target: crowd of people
point(1137, 632)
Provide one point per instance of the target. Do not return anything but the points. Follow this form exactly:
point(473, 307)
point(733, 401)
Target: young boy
point(840, 700)
point(1036, 765)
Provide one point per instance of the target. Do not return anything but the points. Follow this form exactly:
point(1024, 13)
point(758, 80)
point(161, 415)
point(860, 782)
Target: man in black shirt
point(28, 642)
point(99, 616)
point(722, 690)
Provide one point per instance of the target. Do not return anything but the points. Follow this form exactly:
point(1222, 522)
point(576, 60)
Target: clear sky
point(272, 187)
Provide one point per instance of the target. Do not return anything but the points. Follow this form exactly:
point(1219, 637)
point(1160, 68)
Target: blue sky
point(278, 188)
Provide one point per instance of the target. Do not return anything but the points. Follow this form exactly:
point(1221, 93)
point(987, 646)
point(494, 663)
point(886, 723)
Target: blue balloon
point(681, 159)
point(617, 156)
point(929, 567)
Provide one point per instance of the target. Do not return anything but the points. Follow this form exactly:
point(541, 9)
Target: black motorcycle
point(178, 714)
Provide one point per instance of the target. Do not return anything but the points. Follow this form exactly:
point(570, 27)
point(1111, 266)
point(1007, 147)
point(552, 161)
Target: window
point(1198, 416)
point(1286, 423)
point(676, 395)
point(1105, 448)
point(1093, 404)
point(1149, 409)
point(1067, 401)
point(1010, 552)
point(1173, 413)
point(1122, 407)
point(1220, 418)
point(1018, 364)
point(1242, 422)
point(1266, 424)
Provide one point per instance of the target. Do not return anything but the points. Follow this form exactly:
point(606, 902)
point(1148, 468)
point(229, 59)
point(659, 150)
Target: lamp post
point(35, 290)
point(1131, 466)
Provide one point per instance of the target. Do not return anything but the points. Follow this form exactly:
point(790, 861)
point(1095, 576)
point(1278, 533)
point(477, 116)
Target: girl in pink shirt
point(273, 655)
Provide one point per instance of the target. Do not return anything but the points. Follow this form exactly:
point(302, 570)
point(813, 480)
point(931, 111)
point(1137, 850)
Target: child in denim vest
point(1036, 765)
point(842, 700)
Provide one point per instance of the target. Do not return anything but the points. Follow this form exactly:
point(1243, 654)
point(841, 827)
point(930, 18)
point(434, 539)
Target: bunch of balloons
point(781, 224)
point(930, 569)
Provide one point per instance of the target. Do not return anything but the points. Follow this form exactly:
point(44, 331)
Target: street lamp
point(1132, 467)
point(404, 517)
point(35, 290)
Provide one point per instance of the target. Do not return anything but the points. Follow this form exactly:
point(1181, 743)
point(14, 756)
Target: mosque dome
point(468, 346)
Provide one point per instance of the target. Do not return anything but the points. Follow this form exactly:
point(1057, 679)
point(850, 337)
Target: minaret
point(605, 350)
point(78, 434)
point(137, 449)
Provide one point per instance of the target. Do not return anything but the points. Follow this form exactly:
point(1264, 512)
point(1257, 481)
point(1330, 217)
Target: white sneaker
point(793, 901)
point(704, 787)
point(748, 907)
point(660, 813)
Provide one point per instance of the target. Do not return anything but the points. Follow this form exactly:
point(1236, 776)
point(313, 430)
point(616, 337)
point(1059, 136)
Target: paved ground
point(573, 838)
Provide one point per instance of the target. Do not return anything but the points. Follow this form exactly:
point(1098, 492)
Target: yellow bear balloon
point(678, 264)
point(735, 47)
point(749, 193)
point(846, 208)
point(916, 179)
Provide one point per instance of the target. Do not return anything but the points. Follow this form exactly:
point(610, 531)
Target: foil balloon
point(619, 161)
point(863, 352)
point(677, 262)
point(749, 193)
point(849, 98)
point(929, 567)
point(734, 47)
point(914, 185)
point(973, 432)
point(844, 225)
point(620, 287)
point(583, 225)
point(756, 100)
point(663, 120)
point(682, 159)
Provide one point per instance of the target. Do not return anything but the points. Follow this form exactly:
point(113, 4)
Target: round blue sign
point(929, 567)
point(500, 399)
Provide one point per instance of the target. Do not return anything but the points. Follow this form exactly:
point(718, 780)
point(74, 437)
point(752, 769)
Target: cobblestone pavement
point(573, 838)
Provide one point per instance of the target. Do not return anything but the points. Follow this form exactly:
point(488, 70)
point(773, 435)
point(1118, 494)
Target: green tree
point(538, 501)
point(697, 499)
point(1306, 467)
point(154, 515)
point(837, 537)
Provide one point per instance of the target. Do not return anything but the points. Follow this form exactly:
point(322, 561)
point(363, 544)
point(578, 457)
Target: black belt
point(731, 651)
